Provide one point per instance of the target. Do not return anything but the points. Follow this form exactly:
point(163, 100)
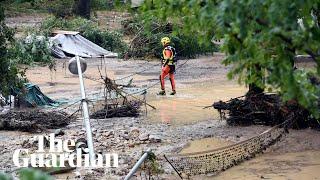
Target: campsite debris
point(73, 65)
point(33, 97)
point(116, 103)
point(264, 109)
point(109, 111)
point(33, 120)
point(70, 43)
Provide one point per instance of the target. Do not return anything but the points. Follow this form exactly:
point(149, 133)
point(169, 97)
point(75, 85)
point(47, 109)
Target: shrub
point(111, 41)
point(148, 33)
point(32, 49)
point(72, 24)
point(100, 4)
point(30, 173)
point(61, 9)
point(10, 74)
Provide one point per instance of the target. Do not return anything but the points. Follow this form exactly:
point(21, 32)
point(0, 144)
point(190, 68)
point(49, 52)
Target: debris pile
point(109, 111)
point(33, 120)
point(116, 102)
point(264, 109)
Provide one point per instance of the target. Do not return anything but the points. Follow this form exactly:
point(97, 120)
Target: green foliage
point(260, 33)
point(33, 174)
point(61, 9)
point(189, 46)
point(23, 6)
point(58, 8)
point(28, 174)
point(4, 176)
point(148, 31)
point(111, 41)
point(72, 24)
point(8, 69)
point(32, 49)
point(100, 4)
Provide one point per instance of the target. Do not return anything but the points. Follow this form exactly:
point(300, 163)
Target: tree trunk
point(83, 8)
point(253, 88)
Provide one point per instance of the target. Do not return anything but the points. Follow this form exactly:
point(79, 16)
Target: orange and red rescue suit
point(168, 66)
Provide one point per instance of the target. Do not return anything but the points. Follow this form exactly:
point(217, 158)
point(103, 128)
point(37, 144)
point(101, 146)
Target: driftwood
point(119, 105)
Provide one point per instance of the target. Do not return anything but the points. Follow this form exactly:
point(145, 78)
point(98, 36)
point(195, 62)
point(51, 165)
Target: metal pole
point(85, 113)
point(137, 165)
point(173, 166)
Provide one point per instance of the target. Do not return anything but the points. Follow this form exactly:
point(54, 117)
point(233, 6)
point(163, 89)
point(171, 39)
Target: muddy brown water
point(204, 144)
point(187, 106)
point(297, 165)
point(272, 165)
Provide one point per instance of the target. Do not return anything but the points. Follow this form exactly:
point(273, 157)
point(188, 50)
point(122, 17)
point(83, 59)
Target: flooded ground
point(276, 166)
point(193, 92)
point(179, 121)
point(204, 144)
point(189, 103)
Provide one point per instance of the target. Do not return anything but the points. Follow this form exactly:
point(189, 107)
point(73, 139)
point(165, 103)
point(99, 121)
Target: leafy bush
point(32, 49)
point(10, 74)
point(32, 174)
point(111, 41)
point(28, 174)
point(190, 47)
point(100, 4)
point(72, 24)
point(148, 31)
point(61, 9)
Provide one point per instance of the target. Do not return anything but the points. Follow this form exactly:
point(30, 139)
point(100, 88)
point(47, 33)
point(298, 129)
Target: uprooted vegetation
point(33, 120)
point(264, 109)
point(116, 102)
point(130, 109)
point(269, 109)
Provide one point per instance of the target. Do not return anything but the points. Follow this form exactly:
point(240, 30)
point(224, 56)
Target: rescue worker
point(168, 65)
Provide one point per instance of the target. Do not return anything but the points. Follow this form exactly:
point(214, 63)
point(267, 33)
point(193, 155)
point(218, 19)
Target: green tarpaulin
point(34, 97)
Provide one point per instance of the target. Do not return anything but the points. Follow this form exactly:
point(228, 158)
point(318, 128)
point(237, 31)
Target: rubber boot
point(162, 93)
point(173, 92)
